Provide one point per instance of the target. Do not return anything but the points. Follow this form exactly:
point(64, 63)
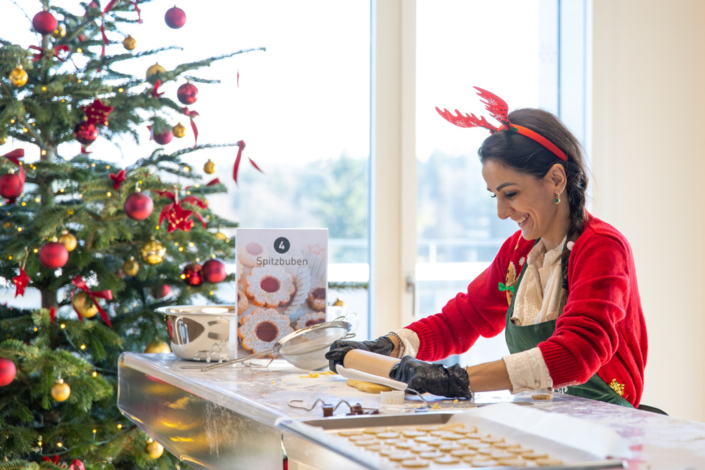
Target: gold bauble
point(338, 303)
point(3, 139)
point(221, 236)
point(60, 391)
point(154, 72)
point(152, 252)
point(154, 449)
point(130, 43)
point(68, 240)
point(157, 347)
point(59, 32)
point(179, 130)
point(84, 304)
point(209, 167)
point(18, 77)
point(131, 267)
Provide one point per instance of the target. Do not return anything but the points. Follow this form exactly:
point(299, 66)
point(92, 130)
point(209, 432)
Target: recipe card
point(282, 284)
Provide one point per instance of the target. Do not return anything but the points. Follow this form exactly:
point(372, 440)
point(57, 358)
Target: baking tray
point(304, 439)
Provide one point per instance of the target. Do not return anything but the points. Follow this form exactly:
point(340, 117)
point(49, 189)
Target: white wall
point(649, 177)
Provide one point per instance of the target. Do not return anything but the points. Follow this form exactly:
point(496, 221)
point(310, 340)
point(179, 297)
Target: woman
point(563, 287)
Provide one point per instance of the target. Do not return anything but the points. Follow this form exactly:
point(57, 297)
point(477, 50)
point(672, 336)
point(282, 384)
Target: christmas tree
point(105, 246)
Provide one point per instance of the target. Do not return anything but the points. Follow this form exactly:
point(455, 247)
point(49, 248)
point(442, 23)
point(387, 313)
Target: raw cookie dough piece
point(533, 455)
point(414, 463)
point(365, 442)
point(422, 448)
point(447, 460)
point(507, 445)
point(518, 463)
point(374, 430)
point(350, 432)
point(462, 453)
point(405, 444)
point(399, 456)
point(368, 387)
point(411, 433)
point(482, 462)
point(436, 454)
point(359, 437)
point(450, 446)
point(388, 435)
point(492, 440)
point(548, 462)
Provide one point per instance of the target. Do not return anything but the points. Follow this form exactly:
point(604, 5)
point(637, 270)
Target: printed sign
point(282, 284)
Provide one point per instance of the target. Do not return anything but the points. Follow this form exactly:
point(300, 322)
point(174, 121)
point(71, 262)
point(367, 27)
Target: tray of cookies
point(481, 438)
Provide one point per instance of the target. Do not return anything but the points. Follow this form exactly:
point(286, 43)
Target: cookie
point(462, 453)
point(242, 302)
point(446, 460)
point(399, 456)
point(435, 454)
point(310, 319)
point(269, 286)
point(350, 432)
point(388, 435)
point(414, 463)
point(261, 329)
point(248, 254)
point(317, 299)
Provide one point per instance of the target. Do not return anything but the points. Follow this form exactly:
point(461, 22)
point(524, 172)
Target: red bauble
point(85, 132)
point(164, 138)
point(138, 206)
point(187, 93)
point(175, 18)
point(11, 185)
point(214, 271)
point(44, 22)
point(192, 274)
point(53, 255)
point(7, 371)
point(81, 37)
point(162, 291)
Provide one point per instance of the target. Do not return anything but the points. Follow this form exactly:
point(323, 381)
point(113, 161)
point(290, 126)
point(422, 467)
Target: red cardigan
point(601, 330)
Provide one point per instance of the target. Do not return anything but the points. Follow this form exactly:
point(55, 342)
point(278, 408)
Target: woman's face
point(528, 201)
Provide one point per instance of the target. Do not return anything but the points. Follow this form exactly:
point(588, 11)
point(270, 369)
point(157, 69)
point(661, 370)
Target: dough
point(446, 459)
point(368, 387)
point(548, 462)
point(414, 463)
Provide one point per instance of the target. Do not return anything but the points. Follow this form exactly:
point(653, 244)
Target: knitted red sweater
point(601, 330)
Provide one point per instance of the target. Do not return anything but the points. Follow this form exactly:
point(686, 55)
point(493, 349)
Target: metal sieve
point(304, 348)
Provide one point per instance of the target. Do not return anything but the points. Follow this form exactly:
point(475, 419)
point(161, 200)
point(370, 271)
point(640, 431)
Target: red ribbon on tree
point(137, 9)
point(155, 90)
point(191, 115)
point(212, 182)
point(241, 145)
point(14, 157)
point(52, 313)
point(54, 52)
point(102, 26)
point(94, 295)
point(117, 179)
point(75, 463)
point(176, 216)
point(55, 460)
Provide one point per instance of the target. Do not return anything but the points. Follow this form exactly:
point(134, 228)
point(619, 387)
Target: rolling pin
point(365, 361)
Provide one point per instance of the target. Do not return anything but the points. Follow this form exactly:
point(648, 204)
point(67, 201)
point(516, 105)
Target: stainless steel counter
point(236, 418)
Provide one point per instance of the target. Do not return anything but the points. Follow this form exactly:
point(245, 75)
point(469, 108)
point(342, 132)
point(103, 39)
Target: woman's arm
point(489, 377)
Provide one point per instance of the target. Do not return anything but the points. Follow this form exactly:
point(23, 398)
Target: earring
point(558, 198)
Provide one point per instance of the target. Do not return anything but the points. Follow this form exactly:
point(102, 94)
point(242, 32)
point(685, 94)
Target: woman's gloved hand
point(339, 349)
point(432, 378)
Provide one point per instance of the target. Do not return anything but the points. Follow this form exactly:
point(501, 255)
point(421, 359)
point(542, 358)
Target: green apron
point(522, 338)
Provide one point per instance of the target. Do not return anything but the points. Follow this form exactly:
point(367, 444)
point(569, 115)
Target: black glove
point(432, 378)
point(339, 349)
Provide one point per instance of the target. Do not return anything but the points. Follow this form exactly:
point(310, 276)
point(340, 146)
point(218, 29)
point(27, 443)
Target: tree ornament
point(97, 112)
point(221, 236)
point(209, 167)
point(59, 32)
point(154, 73)
point(129, 43)
point(179, 131)
point(85, 132)
point(19, 77)
point(187, 93)
point(192, 274)
point(117, 179)
point(157, 347)
point(94, 295)
point(152, 252)
point(176, 216)
point(164, 138)
point(213, 271)
point(131, 267)
point(21, 282)
point(162, 291)
point(53, 255)
point(44, 22)
point(81, 37)
point(11, 185)
point(154, 449)
point(68, 240)
point(84, 305)
point(7, 371)
point(175, 17)
point(60, 391)
point(138, 206)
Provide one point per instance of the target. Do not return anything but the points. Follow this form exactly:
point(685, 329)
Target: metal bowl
point(206, 333)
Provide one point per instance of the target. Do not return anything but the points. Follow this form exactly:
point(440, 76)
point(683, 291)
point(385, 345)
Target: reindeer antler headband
point(497, 108)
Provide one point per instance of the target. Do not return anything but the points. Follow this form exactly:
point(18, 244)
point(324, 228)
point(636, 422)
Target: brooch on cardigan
point(617, 387)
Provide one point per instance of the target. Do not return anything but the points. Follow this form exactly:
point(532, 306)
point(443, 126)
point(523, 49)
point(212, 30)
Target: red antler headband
point(497, 108)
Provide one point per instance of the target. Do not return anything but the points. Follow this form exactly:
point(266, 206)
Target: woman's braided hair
point(527, 156)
